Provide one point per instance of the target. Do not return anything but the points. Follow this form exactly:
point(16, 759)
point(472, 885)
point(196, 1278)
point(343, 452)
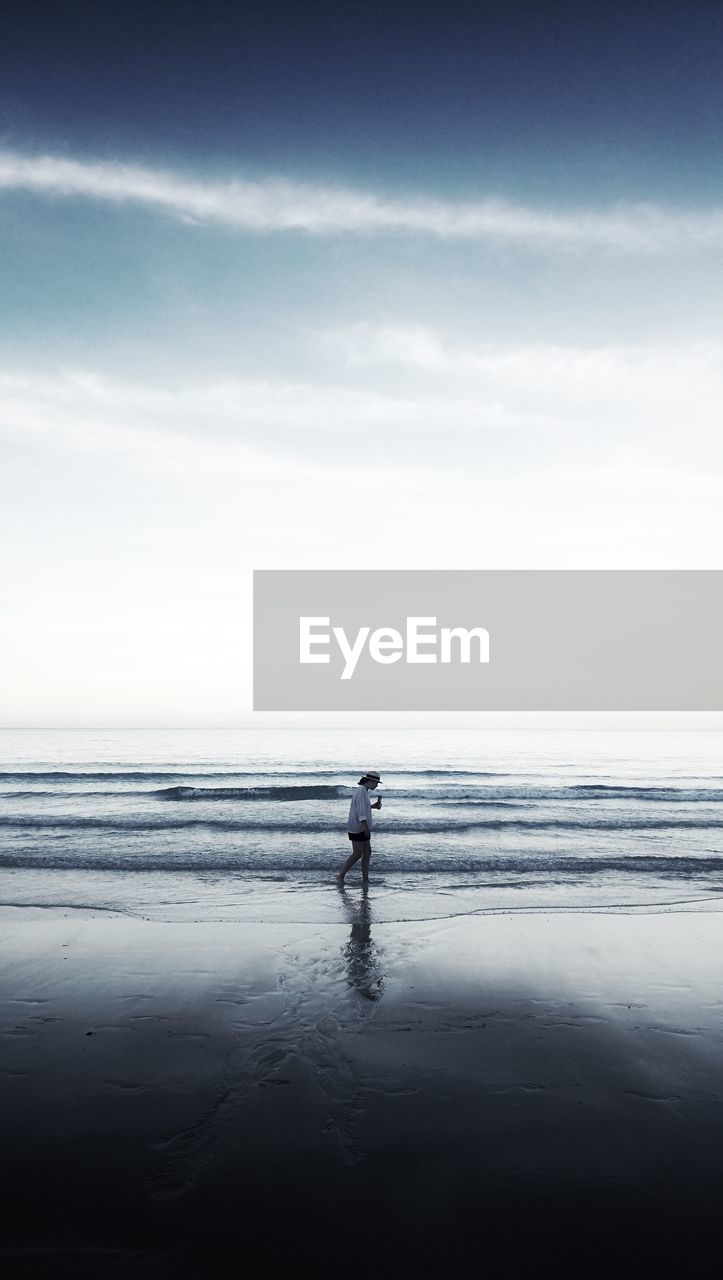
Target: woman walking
point(359, 825)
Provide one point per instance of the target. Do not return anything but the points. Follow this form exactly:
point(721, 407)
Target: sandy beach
point(468, 1092)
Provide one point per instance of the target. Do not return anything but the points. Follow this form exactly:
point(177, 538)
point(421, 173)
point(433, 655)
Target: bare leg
point(354, 856)
point(366, 857)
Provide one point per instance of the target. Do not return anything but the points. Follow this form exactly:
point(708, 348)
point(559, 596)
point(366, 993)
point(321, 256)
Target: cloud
point(136, 510)
point(399, 402)
point(276, 205)
point(600, 392)
point(317, 424)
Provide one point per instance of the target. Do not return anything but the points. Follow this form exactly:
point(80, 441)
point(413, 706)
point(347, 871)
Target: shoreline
point(531, 1070)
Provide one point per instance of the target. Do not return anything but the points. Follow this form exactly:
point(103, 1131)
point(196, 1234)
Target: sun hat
point(372, 773)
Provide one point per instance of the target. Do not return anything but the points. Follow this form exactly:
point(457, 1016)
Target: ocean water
point(250, 824)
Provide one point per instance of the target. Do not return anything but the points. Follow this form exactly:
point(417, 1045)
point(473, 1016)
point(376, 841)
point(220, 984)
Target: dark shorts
point(359, 835)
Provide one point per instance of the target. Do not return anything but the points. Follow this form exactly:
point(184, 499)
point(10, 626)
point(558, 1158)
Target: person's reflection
point(360, 954)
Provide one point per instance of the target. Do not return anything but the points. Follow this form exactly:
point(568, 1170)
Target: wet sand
point(477, 1093)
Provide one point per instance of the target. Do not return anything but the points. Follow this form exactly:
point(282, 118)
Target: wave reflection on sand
point(453, 1077)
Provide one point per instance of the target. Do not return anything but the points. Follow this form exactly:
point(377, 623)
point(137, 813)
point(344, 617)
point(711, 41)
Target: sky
point(325, 286)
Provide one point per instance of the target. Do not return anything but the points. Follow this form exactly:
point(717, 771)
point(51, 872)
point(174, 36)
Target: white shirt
point(360, 809)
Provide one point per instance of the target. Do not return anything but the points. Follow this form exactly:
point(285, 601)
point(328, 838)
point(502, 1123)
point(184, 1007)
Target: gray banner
point(500, 640)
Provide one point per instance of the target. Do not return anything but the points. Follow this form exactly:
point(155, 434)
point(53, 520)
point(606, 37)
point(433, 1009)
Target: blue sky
point(548, 98)
point(284, 283)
